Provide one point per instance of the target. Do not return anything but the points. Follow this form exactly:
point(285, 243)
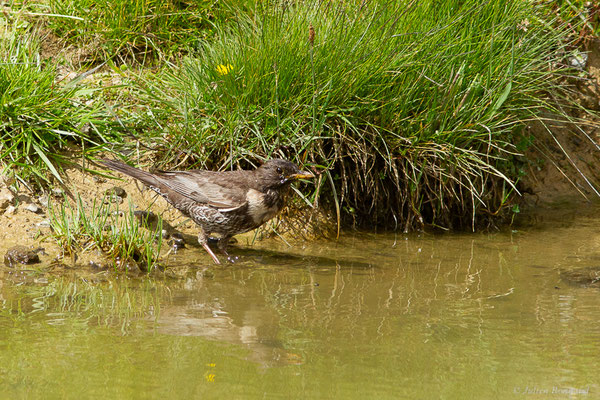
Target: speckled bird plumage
point(226, 203)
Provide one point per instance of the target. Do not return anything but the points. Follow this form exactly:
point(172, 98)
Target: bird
point(226, 203)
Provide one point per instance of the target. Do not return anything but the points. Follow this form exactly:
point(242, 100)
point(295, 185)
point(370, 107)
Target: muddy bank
point(26, 222)
point(563, 162)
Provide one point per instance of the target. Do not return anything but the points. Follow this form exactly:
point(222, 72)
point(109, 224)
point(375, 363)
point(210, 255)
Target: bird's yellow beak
point(302, 175)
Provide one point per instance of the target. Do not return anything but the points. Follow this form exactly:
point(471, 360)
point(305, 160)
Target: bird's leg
point(202, 240)
point(223, 243)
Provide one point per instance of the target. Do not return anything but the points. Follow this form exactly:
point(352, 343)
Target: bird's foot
point(223, 249)
point(232, 259)
point(216, 240)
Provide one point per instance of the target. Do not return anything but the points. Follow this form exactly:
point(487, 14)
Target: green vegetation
point(134, 30)
point(584, 14)
point(40, 117)
point(413, 112)
point(103, 226)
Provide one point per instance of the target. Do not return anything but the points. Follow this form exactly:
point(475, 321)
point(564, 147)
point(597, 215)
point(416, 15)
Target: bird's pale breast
point(262, 206)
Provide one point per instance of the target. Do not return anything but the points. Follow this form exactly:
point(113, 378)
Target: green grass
point(39, 117)
point(584, 14)
point(413, 111)
point(80, 228)
point(139, 30)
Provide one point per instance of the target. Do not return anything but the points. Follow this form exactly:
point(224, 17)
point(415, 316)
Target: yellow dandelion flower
point(224, 69)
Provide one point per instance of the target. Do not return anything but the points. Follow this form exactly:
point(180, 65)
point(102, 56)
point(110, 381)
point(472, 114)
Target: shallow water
point(506, 315)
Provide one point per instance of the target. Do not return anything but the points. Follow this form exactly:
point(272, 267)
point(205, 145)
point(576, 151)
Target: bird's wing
point(205, 189)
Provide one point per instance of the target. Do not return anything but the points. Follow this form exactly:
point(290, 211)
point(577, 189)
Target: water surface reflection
point(369, 316)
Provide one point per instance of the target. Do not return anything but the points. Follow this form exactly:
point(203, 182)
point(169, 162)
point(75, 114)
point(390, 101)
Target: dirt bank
point(564, 162)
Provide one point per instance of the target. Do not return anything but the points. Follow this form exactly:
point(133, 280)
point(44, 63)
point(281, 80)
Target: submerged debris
point(177, 241)
point(584, 277)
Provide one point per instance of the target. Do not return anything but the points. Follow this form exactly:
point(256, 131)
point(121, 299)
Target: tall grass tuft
point(414, 110)
point(39, 118)
point(103, 226)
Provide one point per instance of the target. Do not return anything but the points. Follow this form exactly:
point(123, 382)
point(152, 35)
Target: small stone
point(44, 224)
point(146, 218)
point(6, 198)
point(57, 192)
point(4, 203)
point(32, 208)
point(10, 209)
point(177, 241)
point(149, 220)
point(85, 129)
point(113, 199)
point(20, 255)
point(578, 60)
point(7, 180)
point(116, 191)
point(43, 200)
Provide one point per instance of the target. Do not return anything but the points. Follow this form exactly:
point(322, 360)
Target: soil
point(563, 163)
point(24, 227)
point(32, 230)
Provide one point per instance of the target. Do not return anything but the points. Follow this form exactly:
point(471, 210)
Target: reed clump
point(140, 31)
point(415, 112)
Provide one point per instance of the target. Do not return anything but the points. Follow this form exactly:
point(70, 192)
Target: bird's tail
point(145, 177)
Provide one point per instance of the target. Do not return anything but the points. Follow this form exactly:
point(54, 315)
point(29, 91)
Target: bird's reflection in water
point(227, 305)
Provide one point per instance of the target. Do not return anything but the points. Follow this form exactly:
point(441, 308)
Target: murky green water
point(487, 316)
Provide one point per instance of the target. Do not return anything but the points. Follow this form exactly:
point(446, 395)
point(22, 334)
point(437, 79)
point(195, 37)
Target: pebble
point(4, 203)
point(115, 195)
point(6, 198)
point(146, 218)
point(116, 191)
point(177, 241)
point(43, 200)
point(10, 209)
point(21, 255)
point(115, 199)
point(578, 60)
point(32, 208)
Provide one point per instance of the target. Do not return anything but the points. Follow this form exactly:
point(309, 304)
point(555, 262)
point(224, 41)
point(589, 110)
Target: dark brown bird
point(226, 203)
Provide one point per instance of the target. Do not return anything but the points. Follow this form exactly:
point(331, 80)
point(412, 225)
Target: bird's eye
point(279, 170)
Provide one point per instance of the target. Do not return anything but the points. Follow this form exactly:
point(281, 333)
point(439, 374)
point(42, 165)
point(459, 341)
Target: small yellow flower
point(224, 69)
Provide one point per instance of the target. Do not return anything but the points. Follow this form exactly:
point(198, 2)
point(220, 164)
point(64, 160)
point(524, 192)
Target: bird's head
point(278, 173)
